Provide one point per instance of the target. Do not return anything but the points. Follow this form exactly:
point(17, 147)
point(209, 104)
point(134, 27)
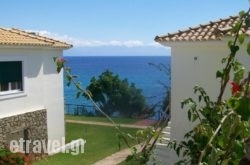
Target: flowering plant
point(221, 125)
point(235, 88)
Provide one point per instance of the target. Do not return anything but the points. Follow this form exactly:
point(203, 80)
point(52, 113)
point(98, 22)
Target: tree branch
point(246, 92)
point(203, 152)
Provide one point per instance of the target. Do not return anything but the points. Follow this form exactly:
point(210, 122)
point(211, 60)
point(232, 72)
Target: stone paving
point(116, 158)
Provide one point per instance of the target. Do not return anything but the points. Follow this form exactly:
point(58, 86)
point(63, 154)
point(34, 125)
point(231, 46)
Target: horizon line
point(150, 55)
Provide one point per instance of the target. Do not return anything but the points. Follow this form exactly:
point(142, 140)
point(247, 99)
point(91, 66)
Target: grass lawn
point(101, 141)
point(118, 120)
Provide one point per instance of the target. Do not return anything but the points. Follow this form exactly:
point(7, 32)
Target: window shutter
point(10, 71)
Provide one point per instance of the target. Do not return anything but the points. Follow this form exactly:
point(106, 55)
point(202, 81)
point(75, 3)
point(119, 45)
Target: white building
point(31, 91)
point(196, 55)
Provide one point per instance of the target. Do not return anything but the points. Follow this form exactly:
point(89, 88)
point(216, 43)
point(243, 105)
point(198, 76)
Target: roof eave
point(63, 47)
point(176, 43)
point(6, 45)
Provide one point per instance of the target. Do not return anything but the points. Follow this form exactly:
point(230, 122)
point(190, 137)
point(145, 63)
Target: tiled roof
point(206, 32)
point(22, 38)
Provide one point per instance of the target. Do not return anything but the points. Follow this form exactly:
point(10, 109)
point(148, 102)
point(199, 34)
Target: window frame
point(16, 90)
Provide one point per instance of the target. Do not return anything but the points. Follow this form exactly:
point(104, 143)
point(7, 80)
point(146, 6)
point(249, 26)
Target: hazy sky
point(113, 27)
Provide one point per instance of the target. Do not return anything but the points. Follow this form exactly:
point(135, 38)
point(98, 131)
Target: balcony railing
point(88, 110)
point(77, 109)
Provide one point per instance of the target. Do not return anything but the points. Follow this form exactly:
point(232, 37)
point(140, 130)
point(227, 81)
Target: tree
point(115, 95)
point(147, 138)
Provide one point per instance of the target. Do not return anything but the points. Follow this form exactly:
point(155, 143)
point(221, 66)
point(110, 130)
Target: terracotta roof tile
point(214, 30)
point(23, 38)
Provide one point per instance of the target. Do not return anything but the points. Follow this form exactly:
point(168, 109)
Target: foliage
point(221, 125)
point(9, 158)
point(115, 95)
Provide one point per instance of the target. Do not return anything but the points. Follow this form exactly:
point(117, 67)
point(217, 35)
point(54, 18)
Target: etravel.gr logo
point(52, 147)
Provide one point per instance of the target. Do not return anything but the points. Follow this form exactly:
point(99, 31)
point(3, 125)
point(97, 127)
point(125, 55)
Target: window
point(10, 77)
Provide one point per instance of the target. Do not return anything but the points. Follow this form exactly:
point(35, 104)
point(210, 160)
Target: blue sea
point(136, 69)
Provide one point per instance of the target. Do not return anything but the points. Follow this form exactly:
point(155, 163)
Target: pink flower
point(59, 63)
point(235, 87)
point(60, 60)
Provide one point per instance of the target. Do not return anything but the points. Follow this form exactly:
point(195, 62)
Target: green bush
point(9, 158)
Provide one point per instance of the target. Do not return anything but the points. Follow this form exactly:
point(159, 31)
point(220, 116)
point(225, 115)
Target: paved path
point(145, 122)
point(107, 124)
point(116, 158)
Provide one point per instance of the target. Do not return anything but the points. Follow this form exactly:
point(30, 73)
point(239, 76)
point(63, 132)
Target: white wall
point(54, 97)
point(43, 87)
point(186, 72)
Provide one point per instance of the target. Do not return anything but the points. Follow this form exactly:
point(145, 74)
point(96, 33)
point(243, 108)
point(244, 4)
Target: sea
point(146, 72)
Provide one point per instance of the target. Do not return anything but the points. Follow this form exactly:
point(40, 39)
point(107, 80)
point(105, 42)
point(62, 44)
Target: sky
point(113, 27)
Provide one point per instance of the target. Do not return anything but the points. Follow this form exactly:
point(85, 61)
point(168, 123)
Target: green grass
point(101, 141)
point(118, 120)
